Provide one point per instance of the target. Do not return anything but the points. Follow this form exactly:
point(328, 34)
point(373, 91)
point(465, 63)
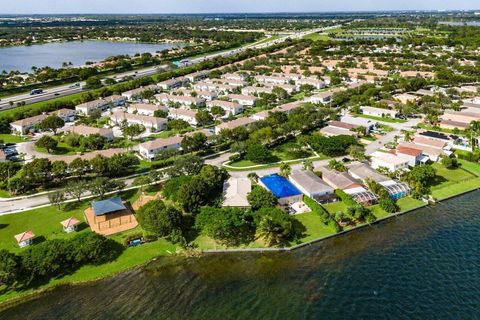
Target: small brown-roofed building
point(107, 217)
point(25, 239)
point(70, 225)
point(84, 130)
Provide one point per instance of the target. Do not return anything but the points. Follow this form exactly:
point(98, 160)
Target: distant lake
point(459, 24)
point(22, 58)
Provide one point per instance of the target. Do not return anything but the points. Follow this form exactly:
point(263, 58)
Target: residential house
point(406, 98)
point(152, 124)
point(379, 112)
point(389, 161)
point(231, 108)
point(136, 93)
point(244, 100)
point(321, 98)
point(235, 192)
point(285, 192)
point(314, 82)
point(240, 122)
point(272, 79)
point(84, 130)
point(312, 186)
point(145, 109)
point(150, 149)
point(256, 90)
point(185, 101)
point(413, 155)
point(187, 115)
point(27, 125)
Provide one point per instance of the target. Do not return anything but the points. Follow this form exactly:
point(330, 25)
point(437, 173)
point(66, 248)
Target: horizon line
point(246, 12)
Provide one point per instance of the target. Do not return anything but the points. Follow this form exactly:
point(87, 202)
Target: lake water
point(424, 265)
point(22, 58)
point(459, 24)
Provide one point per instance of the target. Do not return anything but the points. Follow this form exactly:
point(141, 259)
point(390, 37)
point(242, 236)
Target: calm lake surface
point(22, 58)
point(424, 265)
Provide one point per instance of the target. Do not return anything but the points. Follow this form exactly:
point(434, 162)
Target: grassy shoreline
point(315, 231)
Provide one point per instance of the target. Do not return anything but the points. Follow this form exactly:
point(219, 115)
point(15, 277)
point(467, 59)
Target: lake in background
point(423, 265)
point(22, 58)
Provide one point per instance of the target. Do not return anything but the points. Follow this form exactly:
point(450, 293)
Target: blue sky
point(205, 6)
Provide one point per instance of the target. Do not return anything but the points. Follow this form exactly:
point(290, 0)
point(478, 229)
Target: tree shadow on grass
point(437, 181)
point(38, 240)
point(70, 206)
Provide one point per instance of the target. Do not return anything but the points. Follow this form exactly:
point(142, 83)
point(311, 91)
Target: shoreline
point(37, 293)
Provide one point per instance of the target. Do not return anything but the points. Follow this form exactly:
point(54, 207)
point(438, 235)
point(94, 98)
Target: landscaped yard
point(11, 138)
point(287, 151)
point(454, 181)
point(61, 149)
point(45, 222)
point(335, 207)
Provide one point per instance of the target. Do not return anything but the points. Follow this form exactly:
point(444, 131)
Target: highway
point(70, 89)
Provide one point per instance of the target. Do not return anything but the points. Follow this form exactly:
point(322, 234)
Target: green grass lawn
point(61, 149)
point(11, 138)
point(317, 37)
point(44, 222)
point(471, 167)
point(314, 228)
point(335, 207)
point(454, 181)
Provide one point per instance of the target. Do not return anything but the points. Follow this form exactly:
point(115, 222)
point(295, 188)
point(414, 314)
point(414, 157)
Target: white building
point(312, 186)
point(379, 112)
point(145, 109)
point(314, 82)
point(149, 149)
point(184, 114)
point(322, 97)
point(185, 101)
point(244, 100)
point(231, 108)
point(86, 131)
point(388, 160)
point(151, 124)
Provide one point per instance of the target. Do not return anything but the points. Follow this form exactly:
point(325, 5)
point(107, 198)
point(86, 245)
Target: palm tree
point(308, 165)
point(285, 170)
point(474, 130)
